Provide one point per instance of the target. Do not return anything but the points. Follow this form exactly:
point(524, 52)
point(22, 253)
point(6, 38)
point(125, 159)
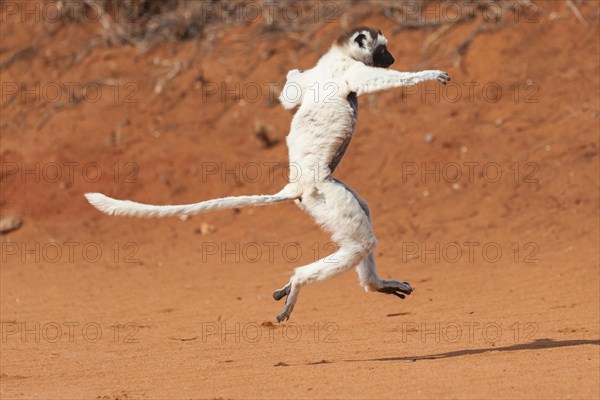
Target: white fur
point(319, 136)
point(130, 208)
point(321, 130)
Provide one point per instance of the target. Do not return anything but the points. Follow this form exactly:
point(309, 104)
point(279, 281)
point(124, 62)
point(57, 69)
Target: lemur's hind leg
point(370, 281)
point(290, 292)
point(281, 293)
point(366, 269)
point(334, 207)
point(342, 260)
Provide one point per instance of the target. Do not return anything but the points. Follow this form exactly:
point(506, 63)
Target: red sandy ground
point(182, 322)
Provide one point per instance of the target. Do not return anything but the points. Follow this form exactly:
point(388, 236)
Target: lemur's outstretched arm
point(363, 79)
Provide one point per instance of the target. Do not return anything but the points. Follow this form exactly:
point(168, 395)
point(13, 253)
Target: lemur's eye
point(360, 39)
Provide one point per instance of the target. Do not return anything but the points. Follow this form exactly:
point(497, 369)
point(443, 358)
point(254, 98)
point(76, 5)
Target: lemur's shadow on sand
point(539, 344)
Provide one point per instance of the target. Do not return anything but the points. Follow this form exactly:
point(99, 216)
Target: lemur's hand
point(441, 77)
point(435, 75)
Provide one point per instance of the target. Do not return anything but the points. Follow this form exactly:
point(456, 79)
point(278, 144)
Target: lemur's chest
point(322, 131)
point(326, 115)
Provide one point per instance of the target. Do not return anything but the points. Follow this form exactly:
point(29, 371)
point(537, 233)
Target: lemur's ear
point(360, 39)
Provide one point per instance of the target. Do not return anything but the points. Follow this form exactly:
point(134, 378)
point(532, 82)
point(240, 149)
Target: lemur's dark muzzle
point(382, 57)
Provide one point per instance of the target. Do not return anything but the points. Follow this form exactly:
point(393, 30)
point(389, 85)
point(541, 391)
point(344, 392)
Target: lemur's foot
point(281, 293)
point(396, 288)
point(443, 78)
point(287, 309)
point(285, 313)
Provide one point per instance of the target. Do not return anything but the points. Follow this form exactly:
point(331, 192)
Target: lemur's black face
point(382, 57)
point(367, 45)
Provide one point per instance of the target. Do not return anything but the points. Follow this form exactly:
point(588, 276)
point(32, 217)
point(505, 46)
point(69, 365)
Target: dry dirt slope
point(173, 309)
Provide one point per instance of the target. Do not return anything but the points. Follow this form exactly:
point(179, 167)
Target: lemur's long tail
point(130, 208)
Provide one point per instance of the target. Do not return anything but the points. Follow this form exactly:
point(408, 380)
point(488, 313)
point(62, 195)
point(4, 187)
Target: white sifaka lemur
point(319, 136)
